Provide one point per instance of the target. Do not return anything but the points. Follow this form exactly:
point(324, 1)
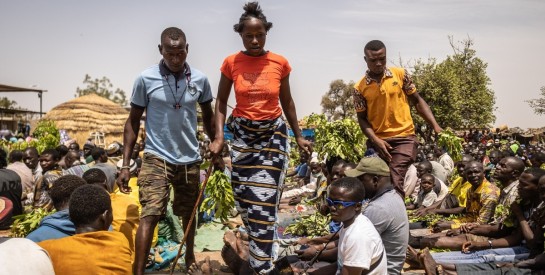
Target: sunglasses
point(340, 205)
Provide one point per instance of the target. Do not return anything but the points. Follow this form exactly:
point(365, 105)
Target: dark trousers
point(403, 155)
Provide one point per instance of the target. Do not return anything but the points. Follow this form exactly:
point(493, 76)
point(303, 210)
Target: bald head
point(516, 164)
point(71, 158)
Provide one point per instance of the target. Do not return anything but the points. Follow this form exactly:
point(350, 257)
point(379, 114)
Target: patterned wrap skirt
point(260, 158)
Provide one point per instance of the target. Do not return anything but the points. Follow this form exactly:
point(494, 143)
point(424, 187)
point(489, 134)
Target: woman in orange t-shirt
point(260, 148)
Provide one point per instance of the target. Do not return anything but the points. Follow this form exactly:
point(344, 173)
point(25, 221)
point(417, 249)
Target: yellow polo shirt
point(386, 103)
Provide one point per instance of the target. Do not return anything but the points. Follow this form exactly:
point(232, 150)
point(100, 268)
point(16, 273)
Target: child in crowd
point(426, 196)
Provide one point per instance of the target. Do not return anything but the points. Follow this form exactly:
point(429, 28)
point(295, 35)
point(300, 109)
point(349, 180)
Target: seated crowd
point(485, 212)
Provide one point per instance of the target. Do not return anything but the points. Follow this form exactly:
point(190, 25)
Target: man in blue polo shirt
point(169, 93)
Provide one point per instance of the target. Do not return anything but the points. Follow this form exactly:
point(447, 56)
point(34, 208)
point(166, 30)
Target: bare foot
point(189, 260)
point(242, 247)
point(235, 252)
point(413, 257)
point(430, 266)
point(204, 269)
point(229, 238)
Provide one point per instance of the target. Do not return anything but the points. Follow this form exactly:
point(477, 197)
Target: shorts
point(155, 179)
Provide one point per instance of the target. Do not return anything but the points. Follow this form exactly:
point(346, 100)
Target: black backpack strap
point(374, 265)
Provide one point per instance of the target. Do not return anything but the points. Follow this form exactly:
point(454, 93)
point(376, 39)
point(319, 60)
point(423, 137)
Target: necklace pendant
point(177, 106)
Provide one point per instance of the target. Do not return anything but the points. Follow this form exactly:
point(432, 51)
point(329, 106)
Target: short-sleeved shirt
point(502, 213)
point(98, 252)
point(387, 213)
point(171, 133)
point(360, 245)
point(257, 82)
point(41, 190)
point(482, 202)
point(386, 103)
point(425, 199)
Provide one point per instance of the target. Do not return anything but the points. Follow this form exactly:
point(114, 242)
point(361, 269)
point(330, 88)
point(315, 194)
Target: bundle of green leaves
point(218, 196)
point(341, 138)
point(25, 223)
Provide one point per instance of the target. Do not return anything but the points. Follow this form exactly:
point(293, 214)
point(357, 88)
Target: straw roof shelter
point(87, 114)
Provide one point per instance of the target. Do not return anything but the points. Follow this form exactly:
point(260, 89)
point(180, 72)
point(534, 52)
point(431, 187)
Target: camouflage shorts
point(154, 182)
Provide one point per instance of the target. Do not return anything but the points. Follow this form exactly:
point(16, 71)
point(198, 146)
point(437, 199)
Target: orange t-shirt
point(387, 103)
point(257, 84)
point(100, 252)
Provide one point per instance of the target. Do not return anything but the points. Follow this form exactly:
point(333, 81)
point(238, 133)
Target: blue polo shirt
point(171, 111)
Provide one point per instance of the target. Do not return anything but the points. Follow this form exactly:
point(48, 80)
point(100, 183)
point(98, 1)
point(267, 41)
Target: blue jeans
point(508, 254)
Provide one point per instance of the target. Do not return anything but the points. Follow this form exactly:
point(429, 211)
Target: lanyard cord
point(177, 101)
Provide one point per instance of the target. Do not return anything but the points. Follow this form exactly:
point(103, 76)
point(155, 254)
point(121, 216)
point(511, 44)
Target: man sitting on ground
point(49, 161)
point(16, 164)
point(93, 250)
point(508, 172)
point(74, 166)
point(532, 183)
point(482, 198)
point(101, 162)
point(125, 208)
point(385, 210)
point(58, 225)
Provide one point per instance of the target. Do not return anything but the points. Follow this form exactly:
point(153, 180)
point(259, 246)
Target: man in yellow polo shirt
point(381, 100)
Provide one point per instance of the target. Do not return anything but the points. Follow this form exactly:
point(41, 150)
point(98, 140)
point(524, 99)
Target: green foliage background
point(102, 87)
point(46, 135)
point(457, 89)
point(341, 138)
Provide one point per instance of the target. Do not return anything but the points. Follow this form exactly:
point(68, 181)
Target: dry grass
point(91, 113)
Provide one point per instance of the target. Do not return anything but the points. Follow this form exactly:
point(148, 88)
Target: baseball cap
point(112, 148)
point(370, 165)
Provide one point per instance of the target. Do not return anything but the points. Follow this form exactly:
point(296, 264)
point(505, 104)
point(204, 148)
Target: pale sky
point(53, 44)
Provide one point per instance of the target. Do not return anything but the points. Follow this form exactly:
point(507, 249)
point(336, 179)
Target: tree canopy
point(538, 104)
point(102, 87)
point(337, 103)
point(457, 88)
point(6, 103)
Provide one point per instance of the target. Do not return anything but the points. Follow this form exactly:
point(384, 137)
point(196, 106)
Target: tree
point(538, 104)
point(102, 87)
point(6, 103)
point(456, 89)
point(337, 103)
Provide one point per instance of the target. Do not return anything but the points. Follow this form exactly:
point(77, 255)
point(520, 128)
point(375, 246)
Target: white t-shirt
point(23, 256)
point(360, 245)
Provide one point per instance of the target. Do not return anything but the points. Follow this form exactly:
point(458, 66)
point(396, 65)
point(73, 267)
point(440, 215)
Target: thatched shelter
point(87, 114)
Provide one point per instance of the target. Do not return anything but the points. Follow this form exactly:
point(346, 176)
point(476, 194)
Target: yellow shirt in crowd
point(459, 189)
point(126, 210)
